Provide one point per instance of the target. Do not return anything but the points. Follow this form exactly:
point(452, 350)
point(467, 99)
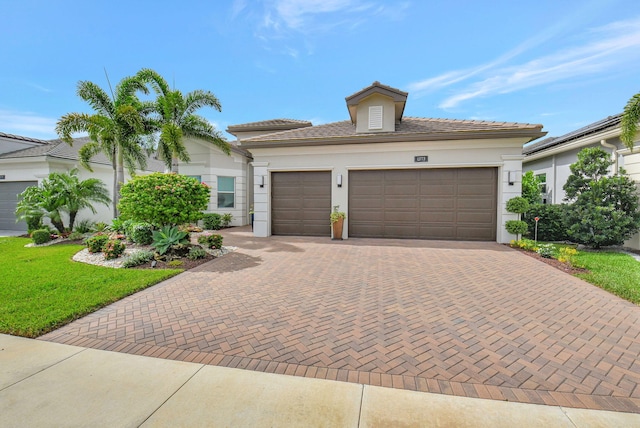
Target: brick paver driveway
point(470, 319)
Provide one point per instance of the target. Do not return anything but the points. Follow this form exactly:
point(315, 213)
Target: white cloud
point(604, 49)
point(27, 124)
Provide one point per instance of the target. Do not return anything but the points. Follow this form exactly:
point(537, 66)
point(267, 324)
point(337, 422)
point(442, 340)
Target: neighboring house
point(230, 178)
point(394, 176)
point(26, 162)
point(551, 158)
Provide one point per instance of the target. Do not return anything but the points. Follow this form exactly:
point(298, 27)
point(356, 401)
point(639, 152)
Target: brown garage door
point(301, 203)
point(452, 203)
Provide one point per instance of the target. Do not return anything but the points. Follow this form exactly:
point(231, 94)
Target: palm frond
point(72, 123)
point(197, 99)
point(198, 127)
point(97, 98)
point(630, 121)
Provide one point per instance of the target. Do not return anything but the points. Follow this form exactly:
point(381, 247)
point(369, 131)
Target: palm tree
point(630, 120)
point(176, 119)
point(62, 193)
point(115, 129)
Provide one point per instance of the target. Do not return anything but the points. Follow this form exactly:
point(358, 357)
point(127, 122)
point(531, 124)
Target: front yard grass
point(615, 272)
point(42, 289)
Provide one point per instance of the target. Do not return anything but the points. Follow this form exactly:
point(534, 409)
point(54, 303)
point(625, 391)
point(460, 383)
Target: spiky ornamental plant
point(630, 120)
point(175, 119)
point(116, 128)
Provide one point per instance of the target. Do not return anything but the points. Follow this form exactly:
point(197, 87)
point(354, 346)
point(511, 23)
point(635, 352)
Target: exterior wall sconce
point(261, 181)
point(339, 180)
point(511, 177)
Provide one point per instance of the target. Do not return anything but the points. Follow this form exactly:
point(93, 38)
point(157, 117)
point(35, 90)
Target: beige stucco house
point(394, 176)
point(550, 159)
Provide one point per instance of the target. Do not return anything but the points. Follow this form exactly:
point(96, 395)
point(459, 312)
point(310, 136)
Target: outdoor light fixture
point(512, 177)
point(154, 263)
point(261, 181)
point(339, 180)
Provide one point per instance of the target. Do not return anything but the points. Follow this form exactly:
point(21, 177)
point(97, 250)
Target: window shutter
point(375, 117)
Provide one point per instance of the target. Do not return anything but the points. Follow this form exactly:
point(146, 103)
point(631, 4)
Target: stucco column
point(340, 195)
point(511, 164)
point(631, 163)
point(261, 192)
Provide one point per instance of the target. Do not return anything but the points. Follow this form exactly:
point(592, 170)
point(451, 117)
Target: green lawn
point(42, 289)
point(615, 272)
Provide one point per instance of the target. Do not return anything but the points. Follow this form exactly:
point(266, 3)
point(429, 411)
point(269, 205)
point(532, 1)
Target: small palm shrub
point(96, 242)
point(113, 249)
point(211, 241)
point(138, 258)
point(100, 227)
point(167, 237)
point(84, 226)
point(226, 219)
point(41, 236)
point(141, 233)
point(196, 253)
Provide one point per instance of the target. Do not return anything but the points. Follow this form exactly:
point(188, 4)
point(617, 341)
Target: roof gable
point(398, 97)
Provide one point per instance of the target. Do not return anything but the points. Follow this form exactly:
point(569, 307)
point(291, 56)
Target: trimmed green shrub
point(226, 219)
point(96, 242)
point(167, 237)
point(551, 224)
point(517, 205)
point(41, 236)
point(141, 233)
point(211, 241)
point(196, 253)
point(516, 227)
point(163, 199)
point(113, 249)
point(137, 258)
point(212, 221)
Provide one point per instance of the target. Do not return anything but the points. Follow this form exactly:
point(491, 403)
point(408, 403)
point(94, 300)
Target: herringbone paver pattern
point(471, 319)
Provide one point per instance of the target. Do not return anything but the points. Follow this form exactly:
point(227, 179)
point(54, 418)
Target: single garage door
point(301, 203)
point(8, 200)
point(452, 203)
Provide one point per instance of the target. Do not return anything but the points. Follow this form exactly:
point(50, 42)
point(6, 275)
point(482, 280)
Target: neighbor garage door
point(452, 203)
point(8, 201)
point(301, 203)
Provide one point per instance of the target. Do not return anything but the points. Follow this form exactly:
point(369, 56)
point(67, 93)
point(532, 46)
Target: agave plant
point(167, 237)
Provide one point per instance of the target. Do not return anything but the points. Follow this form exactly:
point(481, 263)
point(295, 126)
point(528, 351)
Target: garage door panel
point(9, 192)
point(452, 203)
point(301, 203)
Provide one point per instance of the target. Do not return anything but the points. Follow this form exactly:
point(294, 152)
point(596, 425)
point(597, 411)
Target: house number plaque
point(421, 158)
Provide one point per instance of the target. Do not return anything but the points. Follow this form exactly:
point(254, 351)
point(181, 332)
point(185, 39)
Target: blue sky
point(563, 64)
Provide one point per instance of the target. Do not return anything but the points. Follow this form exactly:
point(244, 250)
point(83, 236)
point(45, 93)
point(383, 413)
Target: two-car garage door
point(451, 203)
point(448, 203)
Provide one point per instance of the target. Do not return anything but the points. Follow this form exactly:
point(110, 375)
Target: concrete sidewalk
point(49, 384)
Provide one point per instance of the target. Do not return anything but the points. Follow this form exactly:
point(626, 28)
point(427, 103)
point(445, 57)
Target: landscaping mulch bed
point(553, 262)
point(186, 264)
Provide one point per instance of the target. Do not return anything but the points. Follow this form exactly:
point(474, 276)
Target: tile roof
point(592, 128)
point(21, 138)
point(270, 124)
point(408, 126)
point(61, 150)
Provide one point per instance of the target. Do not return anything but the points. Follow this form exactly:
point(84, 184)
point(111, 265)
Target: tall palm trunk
point(174, 164)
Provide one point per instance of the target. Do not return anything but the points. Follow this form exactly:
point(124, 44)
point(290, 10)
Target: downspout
point(614, 150)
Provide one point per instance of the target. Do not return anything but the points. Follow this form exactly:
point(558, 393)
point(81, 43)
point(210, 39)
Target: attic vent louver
point(375, 117)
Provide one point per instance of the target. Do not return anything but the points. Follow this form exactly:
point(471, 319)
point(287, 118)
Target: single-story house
point(229, 176)
point(550, 159)
point(394, 176)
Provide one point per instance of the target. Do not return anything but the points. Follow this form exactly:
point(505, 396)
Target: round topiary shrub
point(41, 236)
point(516, 227)
point(517, 205)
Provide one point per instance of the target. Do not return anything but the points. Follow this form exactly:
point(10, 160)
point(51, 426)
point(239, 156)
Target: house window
point(226, 192)
point(542, 183)
point(375, 117)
